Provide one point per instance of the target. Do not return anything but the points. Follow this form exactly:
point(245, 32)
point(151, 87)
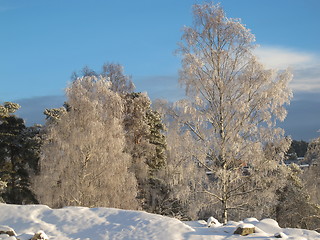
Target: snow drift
point(108, 223)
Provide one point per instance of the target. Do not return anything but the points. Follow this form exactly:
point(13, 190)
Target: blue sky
point(43, 41)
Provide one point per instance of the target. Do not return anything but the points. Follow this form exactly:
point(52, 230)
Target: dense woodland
point(217, 152)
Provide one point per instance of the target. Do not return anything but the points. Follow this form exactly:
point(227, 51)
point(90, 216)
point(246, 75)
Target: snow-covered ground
point(109, 223)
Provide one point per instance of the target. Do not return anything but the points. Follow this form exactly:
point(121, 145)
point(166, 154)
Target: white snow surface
point(212, 222)
point(246, 225)
point(80, 223)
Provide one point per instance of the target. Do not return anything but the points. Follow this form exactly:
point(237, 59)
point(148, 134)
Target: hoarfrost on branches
point(232, 109)
point(83, 160)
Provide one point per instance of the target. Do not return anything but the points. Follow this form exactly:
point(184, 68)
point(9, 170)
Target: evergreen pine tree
point(19, 147)
point(156, 137)
point(146, 144)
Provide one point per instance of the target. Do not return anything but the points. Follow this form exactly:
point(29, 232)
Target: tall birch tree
point(232, 108)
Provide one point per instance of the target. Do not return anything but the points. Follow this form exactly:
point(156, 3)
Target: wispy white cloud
point(281, 58)
point(305, 66)
point(307, 78)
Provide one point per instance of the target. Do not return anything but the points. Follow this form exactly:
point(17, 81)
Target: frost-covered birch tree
point(113, 72)
point(182, 175)
point(298, 205)
point(143, 128)
point(83, 160)
point(232, 108)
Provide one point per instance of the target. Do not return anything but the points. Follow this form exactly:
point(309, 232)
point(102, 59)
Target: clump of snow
point(212, 222)
point(80, 223)
point(269, 226)
point(40, 235)
point(245, 225)
point(250, 220)
point(6, 231)
point(7, 237)
point(281, 235)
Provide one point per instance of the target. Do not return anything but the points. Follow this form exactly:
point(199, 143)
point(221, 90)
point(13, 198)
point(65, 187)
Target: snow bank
point(90, 223)
point(81, 223)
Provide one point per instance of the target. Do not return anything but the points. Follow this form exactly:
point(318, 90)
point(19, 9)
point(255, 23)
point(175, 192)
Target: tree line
point(217, 152)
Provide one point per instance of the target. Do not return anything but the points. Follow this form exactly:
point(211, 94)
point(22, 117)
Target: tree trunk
point(225, 212)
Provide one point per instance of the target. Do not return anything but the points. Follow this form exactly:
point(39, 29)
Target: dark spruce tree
point(147, 145)
point(298, 149)
point(19, 151)
point(157, 139)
